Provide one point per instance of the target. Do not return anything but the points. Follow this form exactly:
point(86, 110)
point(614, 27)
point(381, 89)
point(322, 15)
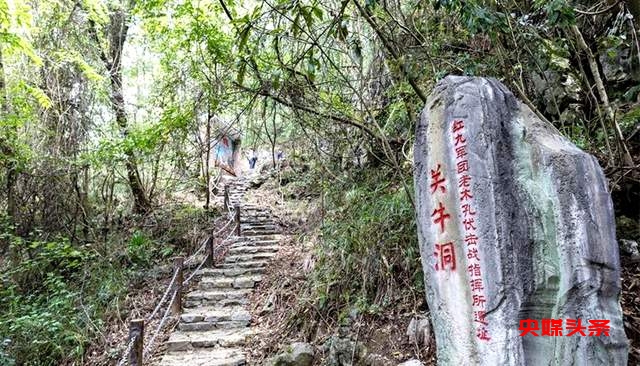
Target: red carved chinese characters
point(444, 250)
point(469, 225)
point(437, 180)
point(445, 256)
point(440, 216)
point(445, 253)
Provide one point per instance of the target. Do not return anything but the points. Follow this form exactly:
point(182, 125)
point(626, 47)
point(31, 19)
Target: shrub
point(370, 256)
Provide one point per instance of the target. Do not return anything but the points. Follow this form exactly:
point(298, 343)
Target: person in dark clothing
point(252, 160)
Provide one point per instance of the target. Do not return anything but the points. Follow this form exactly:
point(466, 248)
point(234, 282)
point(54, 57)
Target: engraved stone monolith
point(517, 235)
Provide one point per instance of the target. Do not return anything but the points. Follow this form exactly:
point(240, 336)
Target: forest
point(110, 109)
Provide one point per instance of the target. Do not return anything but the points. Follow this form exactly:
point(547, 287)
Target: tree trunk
point(7, 149)
point(207, 175)
point(118, 34)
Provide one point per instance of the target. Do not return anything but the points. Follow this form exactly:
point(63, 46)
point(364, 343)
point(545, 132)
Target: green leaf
point(244, 36)
point(241, 71)
point(40, 96)
point(317, 11)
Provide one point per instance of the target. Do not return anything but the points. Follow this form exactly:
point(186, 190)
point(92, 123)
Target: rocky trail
point(215, 323)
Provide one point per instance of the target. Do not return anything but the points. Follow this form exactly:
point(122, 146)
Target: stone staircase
point(215, 323)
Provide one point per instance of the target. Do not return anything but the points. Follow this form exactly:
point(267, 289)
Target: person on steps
point(252, 159)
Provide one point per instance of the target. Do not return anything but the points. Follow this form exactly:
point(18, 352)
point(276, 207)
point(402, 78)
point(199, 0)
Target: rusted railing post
point(176, 306)
point(238, 231)
point(136, 331)
point(210, 254)
point(226, 198)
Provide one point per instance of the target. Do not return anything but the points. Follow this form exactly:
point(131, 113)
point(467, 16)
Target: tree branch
point(307, 109)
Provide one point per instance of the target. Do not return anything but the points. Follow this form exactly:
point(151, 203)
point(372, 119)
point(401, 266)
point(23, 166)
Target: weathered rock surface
point(514, 223)
point(343, 351)
point(419, 331)
point(630, 248)
point(297, 354)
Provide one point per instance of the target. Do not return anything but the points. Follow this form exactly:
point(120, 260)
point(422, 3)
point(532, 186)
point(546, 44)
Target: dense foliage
point(108, 109)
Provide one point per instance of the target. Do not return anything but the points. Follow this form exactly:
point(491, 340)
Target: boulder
point(343, 351)
point(301, 353)
point(629, 248)
point(297, 354)
point(419, 331)
point(517, 235)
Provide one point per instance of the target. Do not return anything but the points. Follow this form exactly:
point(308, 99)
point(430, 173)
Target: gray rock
point(630, 248)
point(530, 233)
point(297, 354)
point(343, 351)
point(419, 331)
point(412, 362)
point(302, 354)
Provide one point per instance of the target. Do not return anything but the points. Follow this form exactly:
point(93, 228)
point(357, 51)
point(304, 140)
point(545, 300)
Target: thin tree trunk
point(7, 150)
point(141, 202)
point(117, 36)
point(593, 65)
point(206, 162)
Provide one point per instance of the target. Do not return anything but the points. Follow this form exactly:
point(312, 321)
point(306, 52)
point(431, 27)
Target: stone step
point(237, 239)
point(261, 222)
point(217, 294)
point(213, 314)
point(227, 302)
point(230, 272)
point(251, 215)
point(183, 341)
point(205, 357)
point(211, 283)
point(252, 264)
point(254, 243)
point(259, 227)
point(258, 232)
point(204, 326)
point(250, 249)
point(236, 258)
point(220, 296)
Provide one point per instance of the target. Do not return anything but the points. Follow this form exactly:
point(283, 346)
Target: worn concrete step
point(220, 296)
point(215, 314)
point(211, 283)
point(227, 302)
point(230, 271)
point(249, 212)
point(258, 232)
point(248, 217)
point(259, 223)
point(251, 249)
point(217, 294)
point(259, 227)
point(254, 244)
point(236, 258)
point(183, 341)
point(205, 357)
point(251, 264)
point(236, 239)
point(204, 326)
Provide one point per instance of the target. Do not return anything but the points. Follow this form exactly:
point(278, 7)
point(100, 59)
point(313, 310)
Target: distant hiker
point(280, 155)
point(252, 160)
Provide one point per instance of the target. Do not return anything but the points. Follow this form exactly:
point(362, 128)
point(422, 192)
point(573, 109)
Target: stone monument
point(517, 235)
